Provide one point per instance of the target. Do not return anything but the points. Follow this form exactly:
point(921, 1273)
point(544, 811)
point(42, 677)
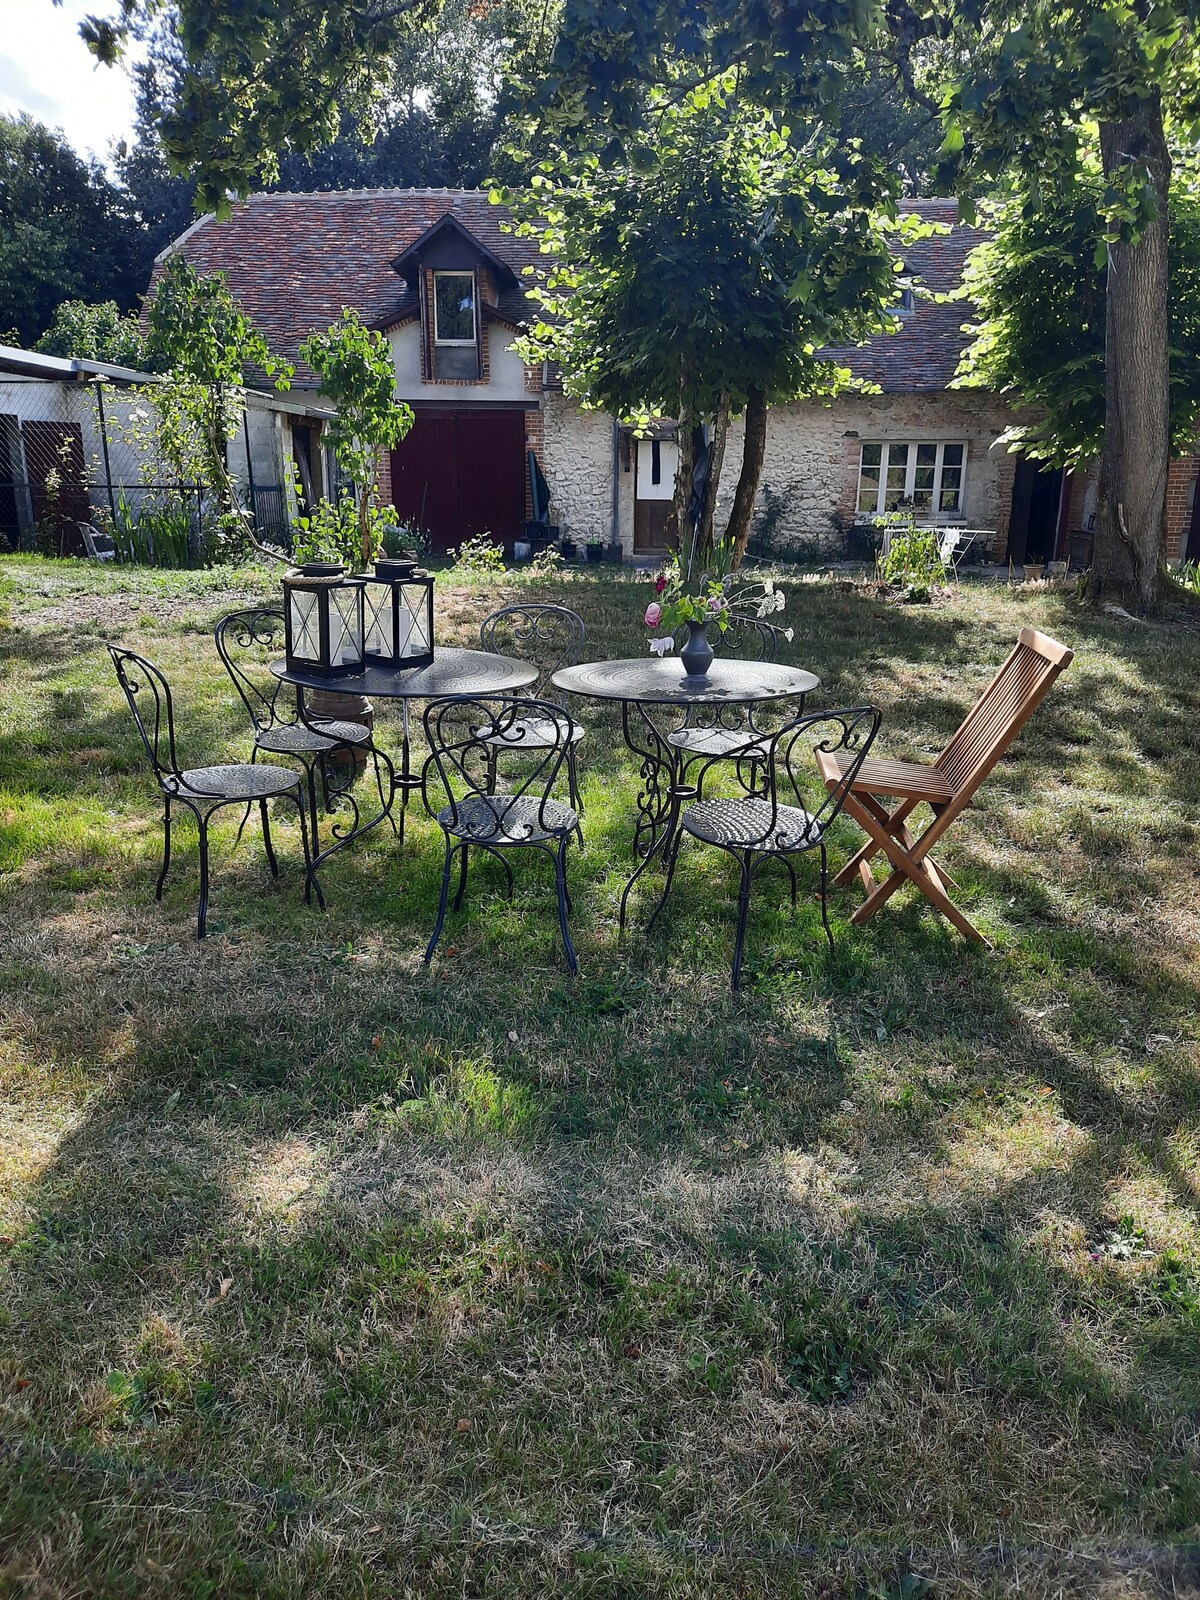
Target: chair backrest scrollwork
point(787, 760)
point(462, 735)
point(149, 697)
point(548, 637)
point(245, 639)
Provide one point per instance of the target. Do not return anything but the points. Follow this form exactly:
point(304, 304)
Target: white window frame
point(457, 272)
point(886, 447)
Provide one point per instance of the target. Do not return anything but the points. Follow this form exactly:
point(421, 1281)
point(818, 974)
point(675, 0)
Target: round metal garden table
point(650, 687)
point(453, 674)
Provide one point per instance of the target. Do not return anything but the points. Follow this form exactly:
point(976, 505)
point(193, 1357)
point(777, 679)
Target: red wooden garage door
point(459, 473)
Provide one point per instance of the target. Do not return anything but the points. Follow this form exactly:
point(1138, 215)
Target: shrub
point(913, 562)
point(479, 557)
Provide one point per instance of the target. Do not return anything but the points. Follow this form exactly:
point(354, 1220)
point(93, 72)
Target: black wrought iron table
point(650, 686)
point(454, 673)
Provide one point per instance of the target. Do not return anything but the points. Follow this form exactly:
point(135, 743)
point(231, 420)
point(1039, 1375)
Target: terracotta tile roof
point(294, 260)
point(923, 353)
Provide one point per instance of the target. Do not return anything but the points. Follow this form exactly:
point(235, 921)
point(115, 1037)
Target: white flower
point(660, 647)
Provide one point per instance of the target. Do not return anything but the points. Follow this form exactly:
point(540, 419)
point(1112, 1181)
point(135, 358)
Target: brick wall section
point(535, 440)
point(383, 477)
point(1180, 479)
point(1181, 476)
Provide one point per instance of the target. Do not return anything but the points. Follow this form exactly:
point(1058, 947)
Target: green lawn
point(324, 1275)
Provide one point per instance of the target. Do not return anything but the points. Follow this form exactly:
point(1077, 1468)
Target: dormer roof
point(408, 262)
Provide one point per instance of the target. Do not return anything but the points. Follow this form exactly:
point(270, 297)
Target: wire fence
point(84, 453)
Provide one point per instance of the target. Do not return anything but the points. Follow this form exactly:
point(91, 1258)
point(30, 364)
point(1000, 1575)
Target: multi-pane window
point(927, 477)
point(454, 307)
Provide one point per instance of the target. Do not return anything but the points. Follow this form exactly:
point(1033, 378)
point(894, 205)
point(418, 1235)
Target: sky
point(47, 70)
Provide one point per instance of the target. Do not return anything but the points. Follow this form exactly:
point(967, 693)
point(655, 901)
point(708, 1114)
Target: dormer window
point(454, 308)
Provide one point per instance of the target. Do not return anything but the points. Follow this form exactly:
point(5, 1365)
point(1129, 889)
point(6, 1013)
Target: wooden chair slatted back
point(1011, 698)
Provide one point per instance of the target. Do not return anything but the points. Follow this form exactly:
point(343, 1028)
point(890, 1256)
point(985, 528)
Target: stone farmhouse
point(437, 272)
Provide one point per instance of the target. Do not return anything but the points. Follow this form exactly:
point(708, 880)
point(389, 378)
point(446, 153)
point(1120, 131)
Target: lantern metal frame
point(405, 606)
point(329, 587)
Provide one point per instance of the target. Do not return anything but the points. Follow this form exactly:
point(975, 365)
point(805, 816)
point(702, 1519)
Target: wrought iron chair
point(462, 736)
point(202, 790)
point(709, 734)
point(548, 637)
point(245, 638)
point(757, 828)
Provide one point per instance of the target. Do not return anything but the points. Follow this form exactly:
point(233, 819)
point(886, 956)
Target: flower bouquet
point(710, 602)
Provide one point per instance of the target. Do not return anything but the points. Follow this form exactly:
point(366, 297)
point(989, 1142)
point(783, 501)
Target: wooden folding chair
point(947, 787)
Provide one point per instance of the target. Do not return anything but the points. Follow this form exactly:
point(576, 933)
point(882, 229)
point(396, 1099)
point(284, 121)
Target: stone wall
point(578, 462)
point(810, 468)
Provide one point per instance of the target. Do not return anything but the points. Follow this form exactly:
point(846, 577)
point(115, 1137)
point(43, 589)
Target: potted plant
point(595, 549)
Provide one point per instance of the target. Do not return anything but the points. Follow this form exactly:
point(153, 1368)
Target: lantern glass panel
point(306, 624)
point(378, 604)
point(345, 637)
point(415, 637)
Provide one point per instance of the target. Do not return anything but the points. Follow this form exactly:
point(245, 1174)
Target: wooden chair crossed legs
point(947, 786)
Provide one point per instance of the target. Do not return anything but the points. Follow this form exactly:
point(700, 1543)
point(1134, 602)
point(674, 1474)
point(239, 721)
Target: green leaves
point(711, 259)
point(354, 364)
point(1040, 288)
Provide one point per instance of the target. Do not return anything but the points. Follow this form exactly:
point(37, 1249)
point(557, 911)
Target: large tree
point(697, 270)
point(300, 93)
point(1040, 287)
point(1052, 90)
point(64, 233)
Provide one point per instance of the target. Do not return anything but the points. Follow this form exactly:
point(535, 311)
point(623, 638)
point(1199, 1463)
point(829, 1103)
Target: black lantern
point(322, 620)
point(397, 602)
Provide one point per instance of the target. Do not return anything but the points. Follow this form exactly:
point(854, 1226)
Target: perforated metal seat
point(237, 781)
point(202, 790)
point(530, 733)
point(728, 733)
point(293, 738)
point(245, 641)
point(718, 743)
point(549, 637)
point(463, 737)
point(507, 819)
point(757, 828)
point(750, 825)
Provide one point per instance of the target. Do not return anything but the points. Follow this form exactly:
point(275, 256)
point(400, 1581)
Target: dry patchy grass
point(321, 1273)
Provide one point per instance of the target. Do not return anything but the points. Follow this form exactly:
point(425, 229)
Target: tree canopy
point(1039, 286)
point(299, 94)
point(354, 364)
point(698, 269)
point(64, 230)
point(94, 333)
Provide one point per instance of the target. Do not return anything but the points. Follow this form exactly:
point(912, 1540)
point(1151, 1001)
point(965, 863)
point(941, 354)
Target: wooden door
point(656, 462)
point(461, 473)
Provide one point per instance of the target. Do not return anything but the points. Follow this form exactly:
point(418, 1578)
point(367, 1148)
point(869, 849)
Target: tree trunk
point(716, 461)
point(683, 491)
point(1134, 458)
point(753, 447)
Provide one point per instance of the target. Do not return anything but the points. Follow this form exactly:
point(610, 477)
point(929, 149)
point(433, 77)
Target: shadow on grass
point(777, 1293)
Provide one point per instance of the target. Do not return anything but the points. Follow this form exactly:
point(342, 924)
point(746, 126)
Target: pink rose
point(653, 614)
